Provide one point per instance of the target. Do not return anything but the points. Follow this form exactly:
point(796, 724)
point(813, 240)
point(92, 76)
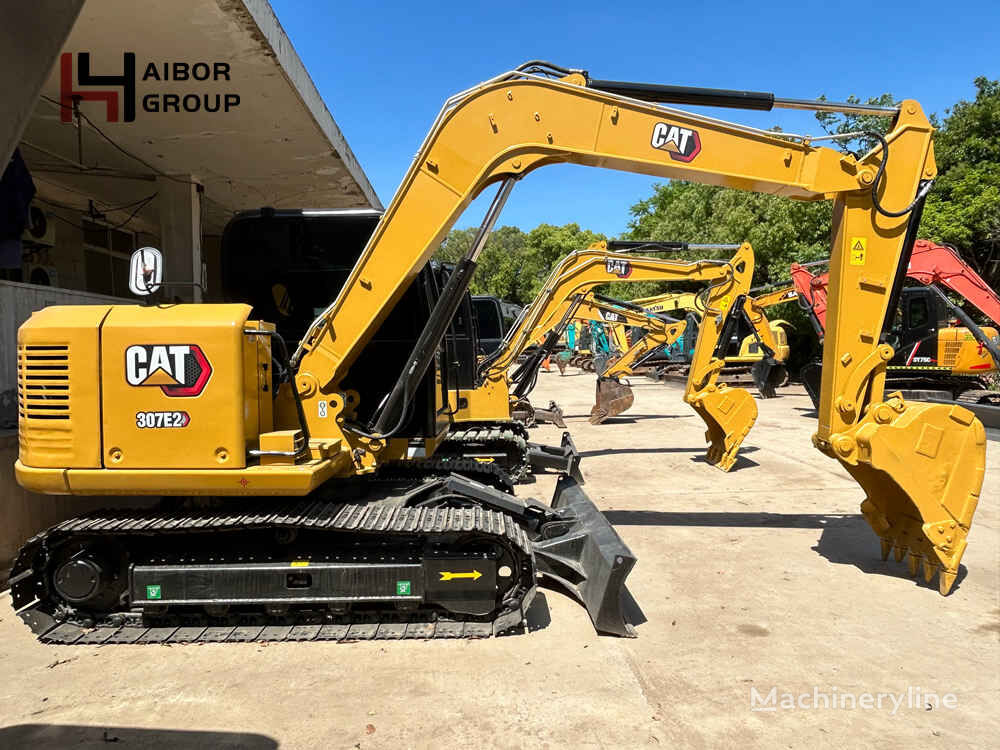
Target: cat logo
point(611, 317)
point(177, 369)
point(620, 268)
point(683, 144)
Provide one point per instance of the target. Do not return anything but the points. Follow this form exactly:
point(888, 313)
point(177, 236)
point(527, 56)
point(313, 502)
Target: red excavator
point(935, 356)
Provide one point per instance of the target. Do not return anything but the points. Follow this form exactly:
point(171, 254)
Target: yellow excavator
point(287, 504)
point(728, 412)
point(613, 397)
point(741, 367)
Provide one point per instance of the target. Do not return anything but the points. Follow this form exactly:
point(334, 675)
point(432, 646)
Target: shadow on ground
point(620, 451)
point(846, 538)
point(58, 736)
point(854, 543)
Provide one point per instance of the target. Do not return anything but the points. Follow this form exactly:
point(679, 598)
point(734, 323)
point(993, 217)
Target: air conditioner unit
point(36, 273)
point(41, 229)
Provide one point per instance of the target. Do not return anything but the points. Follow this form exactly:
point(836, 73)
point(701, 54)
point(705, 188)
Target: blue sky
point(384, 69)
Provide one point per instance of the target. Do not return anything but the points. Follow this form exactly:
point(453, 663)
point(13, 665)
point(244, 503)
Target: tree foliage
point(514, 265)
point(963, 209)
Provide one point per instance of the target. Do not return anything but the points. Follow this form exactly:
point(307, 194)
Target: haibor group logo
point(176, 369)
point(209, 92)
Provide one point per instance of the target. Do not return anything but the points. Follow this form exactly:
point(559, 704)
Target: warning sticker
point(725, 302)
point(403, 588)
point(153, 592)
point(859, 248)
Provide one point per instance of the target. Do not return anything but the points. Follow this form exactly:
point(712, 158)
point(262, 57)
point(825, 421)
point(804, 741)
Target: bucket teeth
point(946, 581)
point(930, 568)
point(914, 564)
point(899, 552)
point(886, 548)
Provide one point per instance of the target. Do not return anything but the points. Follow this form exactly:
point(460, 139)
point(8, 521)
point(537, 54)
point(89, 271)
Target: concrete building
point(153, 124)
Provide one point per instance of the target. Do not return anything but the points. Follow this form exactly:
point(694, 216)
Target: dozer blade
point(921, 467)
point(612, 399)
point(767, 375)
point(729, 414)
point(589, 561)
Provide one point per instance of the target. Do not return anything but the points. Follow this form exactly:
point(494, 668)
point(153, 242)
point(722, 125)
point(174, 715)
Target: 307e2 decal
point(155, 420)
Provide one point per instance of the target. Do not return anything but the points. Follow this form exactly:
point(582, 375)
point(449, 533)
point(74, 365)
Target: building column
point(179, 204)
point(31, 36)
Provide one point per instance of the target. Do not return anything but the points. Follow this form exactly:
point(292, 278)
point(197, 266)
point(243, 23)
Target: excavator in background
point(578, 274)
point(288, 514)
point(934, 357)
point(613, 397)
point(745, 348)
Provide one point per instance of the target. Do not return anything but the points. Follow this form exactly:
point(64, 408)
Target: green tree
point(545, 246)
point(963, 209)
point(498, 270)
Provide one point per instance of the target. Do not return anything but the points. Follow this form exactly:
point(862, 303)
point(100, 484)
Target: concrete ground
point(765, 577)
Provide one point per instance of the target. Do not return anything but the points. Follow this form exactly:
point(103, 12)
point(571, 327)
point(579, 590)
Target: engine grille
point(43, 383)
point(951, 350)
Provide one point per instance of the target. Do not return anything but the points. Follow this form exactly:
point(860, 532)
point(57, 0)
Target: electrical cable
point(880, 174)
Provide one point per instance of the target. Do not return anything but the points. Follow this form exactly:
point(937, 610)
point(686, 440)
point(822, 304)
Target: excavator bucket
point(921, 467)
point(767, 375)
point(522, 411)
point(562, 359)
point(729, 414)
point(613, 398)
point(589, 561)
point(811, 376)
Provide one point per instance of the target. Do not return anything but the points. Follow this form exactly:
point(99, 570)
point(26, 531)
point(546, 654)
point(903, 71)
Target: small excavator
point(933, 356)
point(286, 514)
point(728, 412)
point(745, 350)
point(612, 396)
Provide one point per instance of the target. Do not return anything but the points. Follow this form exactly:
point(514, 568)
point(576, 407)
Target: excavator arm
point(577, 275)
point(612, 396)
point(499, 131)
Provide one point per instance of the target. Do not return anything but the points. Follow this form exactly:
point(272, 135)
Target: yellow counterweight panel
point(59, 387)
point(173, 386)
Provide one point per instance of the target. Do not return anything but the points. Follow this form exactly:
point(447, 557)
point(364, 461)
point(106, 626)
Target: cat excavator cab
point(291, 508)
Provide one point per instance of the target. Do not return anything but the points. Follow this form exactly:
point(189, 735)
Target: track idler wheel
point(613, 398)
point(729, 413)
point(921, 467)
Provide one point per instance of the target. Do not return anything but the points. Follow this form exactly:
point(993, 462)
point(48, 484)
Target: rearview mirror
point(146, 271)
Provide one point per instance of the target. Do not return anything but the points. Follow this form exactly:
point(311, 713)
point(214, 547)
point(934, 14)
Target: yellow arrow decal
point(475, 575)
